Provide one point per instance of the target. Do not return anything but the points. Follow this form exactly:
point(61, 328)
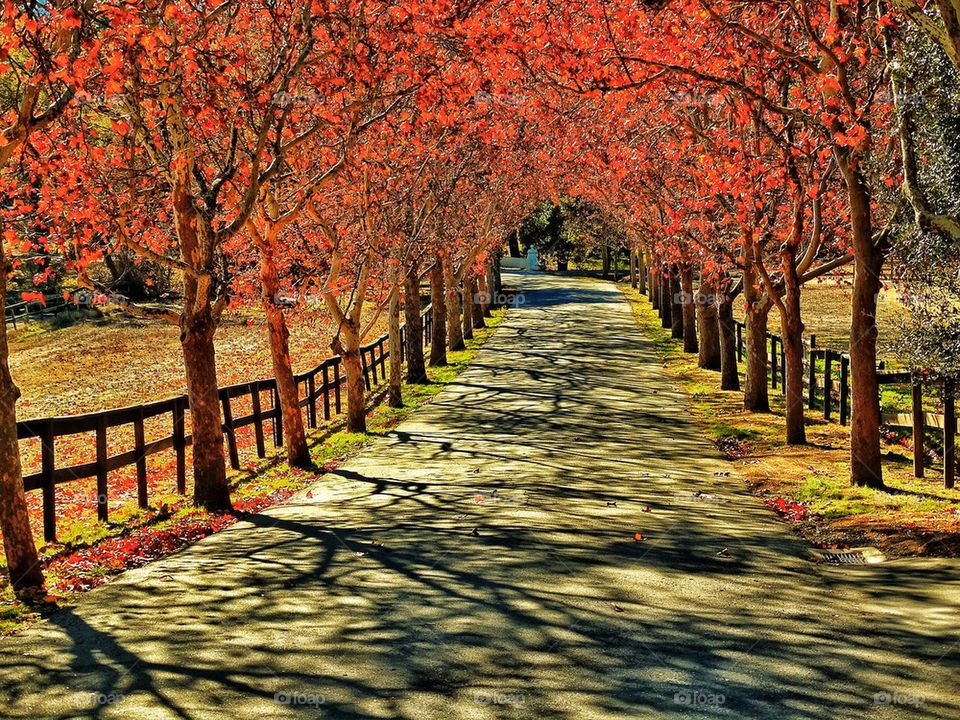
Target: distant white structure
point(531, 263)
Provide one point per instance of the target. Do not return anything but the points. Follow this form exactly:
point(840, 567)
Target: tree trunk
point(483, 295)
point(666, 306)
point(729, 371)
point(210, 488)
point(467, 302)
point(708, 322)
point(23, 563)
point(633, 269)
point(294, 433)
point(514, 241)
point(690, 344)
point(563, 264)
point(642, 272)
point(477, 304)
point(197, 328)
point(492, 285)
point(865, 465)
point(676, 305)
point(413, 322)
point(756, 396)
point(454, 327)
point(395, 386)
point(438, 304)
point(347, 346)
point(791, 327)
point(654, 284)
point(606, 262)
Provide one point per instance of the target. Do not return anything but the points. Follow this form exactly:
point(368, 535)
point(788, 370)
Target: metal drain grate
point(844, 558)
point(853, 556)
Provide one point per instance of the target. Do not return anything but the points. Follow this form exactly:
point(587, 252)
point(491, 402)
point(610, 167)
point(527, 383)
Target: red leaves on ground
point(789, 509)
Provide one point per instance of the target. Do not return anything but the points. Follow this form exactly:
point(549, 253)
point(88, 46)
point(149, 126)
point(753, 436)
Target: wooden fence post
point(102, 510)
point(844, 389)
point(257, 419)
point(312, 399)
point(919, 430)
point(336, 386)
point(326, 392)
point(230, 432)
point(277, 419)
point(949, 435)
point(47, 466)
point(828, 385)
point(180, 444)
point(139, 437)
point(773, 361)
point(783, 365)
point(366, 369)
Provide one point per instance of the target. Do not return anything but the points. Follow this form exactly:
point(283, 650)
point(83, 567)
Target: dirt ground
point(117, 360)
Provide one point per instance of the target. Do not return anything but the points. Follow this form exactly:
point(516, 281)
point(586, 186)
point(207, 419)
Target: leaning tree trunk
point(395, 385)
point(709, 325)
point(468, 303)
point(454, 328)
point(689, 312)
point(478, 321)
point(438, 309)
point(413, 327)
point(23, 564)
point(791, 326)
point(729, 370)
point(676, 305)
point(865, 464)
point(294, 433)
point(347, 346)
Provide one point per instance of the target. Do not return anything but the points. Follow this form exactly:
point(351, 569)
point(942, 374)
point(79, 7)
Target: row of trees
point(257, 152)
point(343, 151)
point(760, 145)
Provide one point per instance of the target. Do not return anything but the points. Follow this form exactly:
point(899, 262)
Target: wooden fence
point(320, 392)
point(20, 311)
point(829, 389)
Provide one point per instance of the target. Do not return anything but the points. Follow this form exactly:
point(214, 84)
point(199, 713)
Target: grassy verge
point(809, 484)
point(95, 552)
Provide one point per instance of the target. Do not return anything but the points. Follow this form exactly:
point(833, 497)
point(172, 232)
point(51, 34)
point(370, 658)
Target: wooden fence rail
point(320, 391)
point(50, 305)
point(831, 386)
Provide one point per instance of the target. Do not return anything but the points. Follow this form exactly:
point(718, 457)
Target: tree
point(42, 52)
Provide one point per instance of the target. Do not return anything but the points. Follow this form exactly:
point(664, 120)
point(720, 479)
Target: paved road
point(480, 563)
